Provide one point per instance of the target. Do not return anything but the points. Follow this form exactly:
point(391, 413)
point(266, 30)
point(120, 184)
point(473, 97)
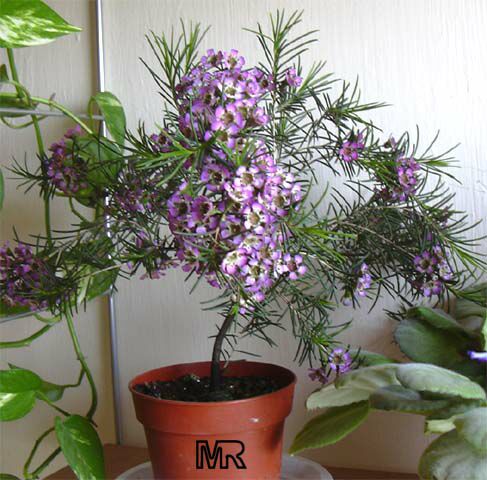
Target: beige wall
point(425, 57)
point(66, 67)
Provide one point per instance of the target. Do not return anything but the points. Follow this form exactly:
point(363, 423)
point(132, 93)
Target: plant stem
point(25, 342)
point(33, 452)
point(216, 374)
point(84, 366)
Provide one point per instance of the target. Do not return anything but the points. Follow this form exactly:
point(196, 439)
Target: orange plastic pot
point(240, 439)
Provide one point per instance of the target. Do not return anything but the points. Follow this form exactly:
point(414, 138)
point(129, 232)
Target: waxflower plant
point(445, 382)
point(225, 189)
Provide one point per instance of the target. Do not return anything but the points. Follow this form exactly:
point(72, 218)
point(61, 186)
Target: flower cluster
point(433, 270)
point(65, 170)
point(407, 177)
point(364, 281)
point(219, 99)
point(21, 277)
point(351, 148)
point(227, 221)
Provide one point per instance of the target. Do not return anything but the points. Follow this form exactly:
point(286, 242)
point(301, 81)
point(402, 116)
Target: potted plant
point(446, 384)
point(226, 190)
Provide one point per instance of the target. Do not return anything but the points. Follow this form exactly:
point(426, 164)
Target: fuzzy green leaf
point(400, 399)
point(330, 427)
point(430, 378)
point(438, 319)
point(25, 23)
point(367, 359)
point(330, 396)
point(8, 476)
point(81, 447)
point(113, 113)
point(450, 457)
point(472, 426)
point(422, 342)
point(369, 378)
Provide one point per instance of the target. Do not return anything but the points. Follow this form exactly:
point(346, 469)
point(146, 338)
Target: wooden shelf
point(119, 459)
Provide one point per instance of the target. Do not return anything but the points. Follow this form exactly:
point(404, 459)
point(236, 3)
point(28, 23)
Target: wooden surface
point(119, 459)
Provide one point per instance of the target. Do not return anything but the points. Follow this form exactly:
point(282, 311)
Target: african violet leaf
point(330, 427)
point(422, 342)
point(8, 476)
point(369, 378)
point(17, 393)
point(430, 378)
point(81, 447)
point(330, 396)
point(472, 426)
point(25, 23)
point(367, 359)
point(113, 113)
point(437, 318)
point(451, 457)
point(400, 399)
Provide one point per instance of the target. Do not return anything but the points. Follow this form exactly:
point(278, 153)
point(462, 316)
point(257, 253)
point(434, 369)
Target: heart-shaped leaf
point(430, 378)
point(81, 447)
point(25, 23)
point(113, 113)
point(472, 426)
point(330, 427)
point(330, 396)
point(451, 457)
point(17, 393)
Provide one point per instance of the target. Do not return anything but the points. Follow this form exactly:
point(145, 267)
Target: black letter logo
point(223, 451)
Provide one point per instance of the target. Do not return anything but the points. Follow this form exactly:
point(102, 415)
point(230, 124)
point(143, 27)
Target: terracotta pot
point(240, 439)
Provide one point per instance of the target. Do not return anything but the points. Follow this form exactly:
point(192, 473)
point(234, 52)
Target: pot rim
point(150, 398)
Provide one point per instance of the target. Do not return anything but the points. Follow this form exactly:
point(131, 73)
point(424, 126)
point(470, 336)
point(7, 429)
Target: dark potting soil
point(191, 388)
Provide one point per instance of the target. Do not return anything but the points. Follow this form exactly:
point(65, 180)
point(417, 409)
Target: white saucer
point(293, 468)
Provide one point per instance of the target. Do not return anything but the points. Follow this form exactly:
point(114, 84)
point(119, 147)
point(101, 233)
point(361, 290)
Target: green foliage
point(450, 457)
point(330, 396)
point(401, 399)
point(437, 380)
point(26, 23)
point(453, 405)
point(81, 447)
point(17, 393)
point(330, 427)
point(113, 114)
point(368, 359)
point(432, 336)
point(472, 426)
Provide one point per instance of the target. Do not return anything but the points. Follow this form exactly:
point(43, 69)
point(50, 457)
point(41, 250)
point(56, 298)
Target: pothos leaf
point(81, 447)
point(113, 114)
point(25, 23)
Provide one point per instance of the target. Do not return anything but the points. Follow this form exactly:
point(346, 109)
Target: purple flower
point(479, 356)
point(292, 78)
point(433, 270)
point(364, 282)
point(407, 175)
point(340, 360)
point(23, 277)
point(318, 374)
point(214, 176)
point(350, 149)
